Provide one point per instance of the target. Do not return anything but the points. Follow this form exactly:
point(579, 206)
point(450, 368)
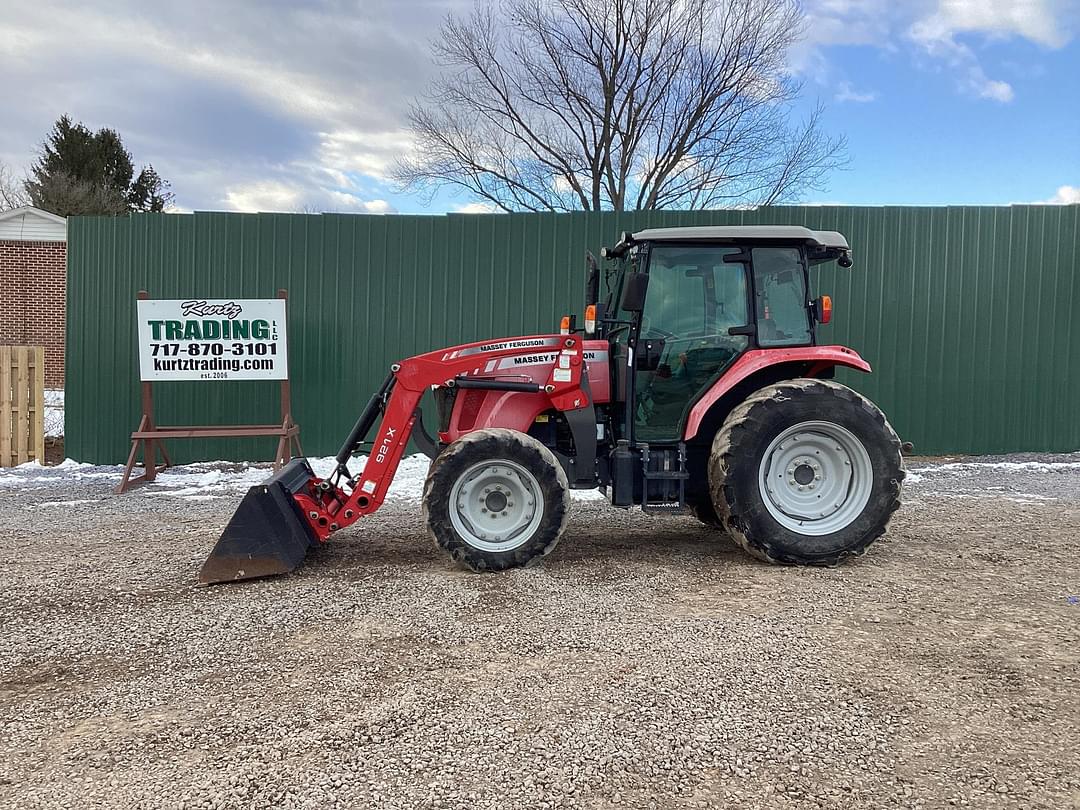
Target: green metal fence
point(970, 316)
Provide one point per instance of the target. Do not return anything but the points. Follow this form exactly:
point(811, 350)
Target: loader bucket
point(268, 534)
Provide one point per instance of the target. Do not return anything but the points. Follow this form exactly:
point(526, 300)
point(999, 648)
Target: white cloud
point(267, 195)
point(969, 74)
point(273, 195)
point(846, 93)
point(849, 22)
point(368, 153)
point(475, 208)
point(317, 90)
point(1040, 21)
point(942, 46)
point(940, 30)
point(1043, 22)
point(1066, 195)
point(990, 88)
point(378, 207)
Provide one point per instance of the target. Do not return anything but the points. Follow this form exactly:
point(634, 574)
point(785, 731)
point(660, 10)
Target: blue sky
point(285, 106)
point(997, 121)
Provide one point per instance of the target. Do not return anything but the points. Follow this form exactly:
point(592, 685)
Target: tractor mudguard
point(268, 534)
point(816, 358)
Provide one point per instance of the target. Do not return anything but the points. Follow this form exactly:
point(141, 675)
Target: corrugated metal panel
point(967, 314)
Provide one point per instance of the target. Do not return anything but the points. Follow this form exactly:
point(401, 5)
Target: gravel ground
point(646, 663)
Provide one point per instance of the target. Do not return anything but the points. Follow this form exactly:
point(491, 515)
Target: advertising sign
point(212, 339)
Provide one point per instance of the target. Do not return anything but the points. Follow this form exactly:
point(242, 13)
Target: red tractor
point(697, 384)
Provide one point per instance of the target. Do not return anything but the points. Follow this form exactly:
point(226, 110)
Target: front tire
point(806, 472)
point(496, 499)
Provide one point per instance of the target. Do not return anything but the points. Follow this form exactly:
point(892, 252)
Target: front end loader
point(696, 384)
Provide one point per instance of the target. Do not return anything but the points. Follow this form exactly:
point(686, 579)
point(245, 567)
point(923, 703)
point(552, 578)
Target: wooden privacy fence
point(22, 404)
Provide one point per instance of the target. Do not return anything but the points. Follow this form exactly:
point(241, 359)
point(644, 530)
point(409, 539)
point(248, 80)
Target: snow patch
point(35, 472)
point(587, 495)
point(196, 482)
point(964, 467)
point(214, 479)
point(1017, 497)
point(408, 483)
point(71, 464)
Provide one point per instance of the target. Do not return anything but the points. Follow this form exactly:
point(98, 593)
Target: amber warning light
point(823, 309)
point(590, 319)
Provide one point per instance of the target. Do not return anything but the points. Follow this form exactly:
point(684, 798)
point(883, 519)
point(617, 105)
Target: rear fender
point(805, 361)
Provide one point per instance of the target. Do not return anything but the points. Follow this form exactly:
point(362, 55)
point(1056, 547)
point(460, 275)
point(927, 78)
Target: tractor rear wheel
point(496, 499)
point(805, 472)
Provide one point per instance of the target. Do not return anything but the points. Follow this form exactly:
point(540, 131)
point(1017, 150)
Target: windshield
point(694, 292)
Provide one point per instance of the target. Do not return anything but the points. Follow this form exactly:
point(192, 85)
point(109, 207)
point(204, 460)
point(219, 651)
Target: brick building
point(33, 285)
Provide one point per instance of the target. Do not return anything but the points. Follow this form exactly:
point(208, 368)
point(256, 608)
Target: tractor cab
point(681, 307)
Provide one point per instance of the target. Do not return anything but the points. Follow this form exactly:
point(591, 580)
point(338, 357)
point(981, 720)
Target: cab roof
point(723, 233)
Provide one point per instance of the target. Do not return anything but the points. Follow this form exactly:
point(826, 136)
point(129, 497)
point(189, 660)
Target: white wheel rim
point(496, 505)
point(816, 478)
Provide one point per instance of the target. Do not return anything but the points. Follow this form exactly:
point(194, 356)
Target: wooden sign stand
point(151, 437)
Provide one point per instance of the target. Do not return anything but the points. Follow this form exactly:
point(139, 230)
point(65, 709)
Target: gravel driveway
point(646, 663)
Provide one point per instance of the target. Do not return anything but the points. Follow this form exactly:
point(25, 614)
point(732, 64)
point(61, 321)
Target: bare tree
point(68, 196)
point(621, 104)
point(12, 192)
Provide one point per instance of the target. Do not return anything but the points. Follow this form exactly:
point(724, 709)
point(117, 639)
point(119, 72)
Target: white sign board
point(213, 339)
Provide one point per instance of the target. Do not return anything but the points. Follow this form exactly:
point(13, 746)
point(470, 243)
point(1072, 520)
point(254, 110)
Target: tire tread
point(496, 443)
point(744, 422)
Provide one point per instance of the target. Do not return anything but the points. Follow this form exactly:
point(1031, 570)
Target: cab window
point(780, 297)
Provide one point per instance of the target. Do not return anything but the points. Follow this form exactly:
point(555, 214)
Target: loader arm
point(267, 533)
point(343, 498)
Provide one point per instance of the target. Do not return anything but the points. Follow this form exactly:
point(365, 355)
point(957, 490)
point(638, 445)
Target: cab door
point(696, 295)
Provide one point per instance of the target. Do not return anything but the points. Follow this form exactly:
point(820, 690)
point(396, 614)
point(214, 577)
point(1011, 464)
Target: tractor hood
point(533, 359)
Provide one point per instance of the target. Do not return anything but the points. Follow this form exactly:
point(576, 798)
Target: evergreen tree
point(79, 172)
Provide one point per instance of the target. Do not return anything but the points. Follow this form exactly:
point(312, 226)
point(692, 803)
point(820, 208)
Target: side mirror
point(633, 297)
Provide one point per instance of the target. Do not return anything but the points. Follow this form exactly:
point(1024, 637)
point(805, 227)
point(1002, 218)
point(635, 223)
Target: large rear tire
point(496, 499)
point(805, 472)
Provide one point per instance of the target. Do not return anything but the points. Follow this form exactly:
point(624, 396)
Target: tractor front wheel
point(496, 499)
point(805, 472)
